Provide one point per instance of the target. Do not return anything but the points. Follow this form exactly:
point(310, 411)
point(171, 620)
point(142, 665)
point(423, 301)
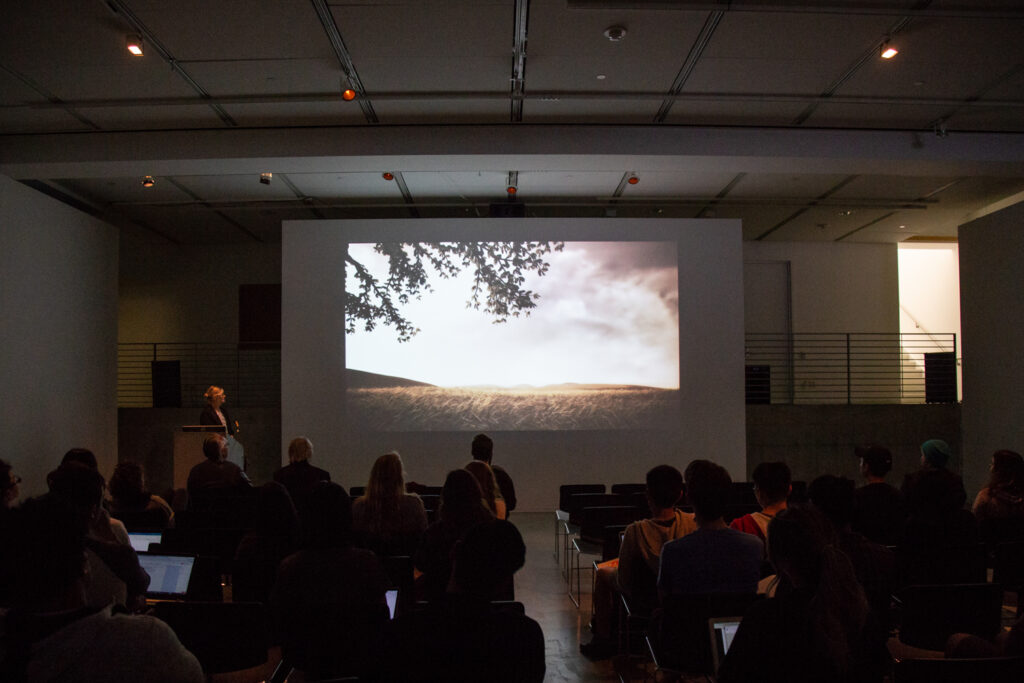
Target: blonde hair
point(300, 449)
point(212, 391)
point(488, 484)
point(384, 490)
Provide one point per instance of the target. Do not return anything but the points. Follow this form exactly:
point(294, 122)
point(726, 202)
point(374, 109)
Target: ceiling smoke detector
point(615, 33)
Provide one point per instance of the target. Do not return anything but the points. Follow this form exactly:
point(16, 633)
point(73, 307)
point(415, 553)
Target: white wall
point(930, 295)
point(171, 293)
point(836, 287)
point(991, 254)
point(711, 361)
point(58, 331)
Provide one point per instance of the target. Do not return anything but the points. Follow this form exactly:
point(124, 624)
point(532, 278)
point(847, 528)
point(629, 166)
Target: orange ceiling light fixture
point(511, 189)
point(387, 175)
point(348, 94)
point(148, 181)
point(134, 45)
point(633, 180)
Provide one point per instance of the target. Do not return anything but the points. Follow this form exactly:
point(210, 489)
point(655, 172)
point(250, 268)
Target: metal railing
point(250, 377)
point(802, 368)
point(823, 368)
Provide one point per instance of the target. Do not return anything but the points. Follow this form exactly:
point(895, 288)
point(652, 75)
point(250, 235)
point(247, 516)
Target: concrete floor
point(541, 587)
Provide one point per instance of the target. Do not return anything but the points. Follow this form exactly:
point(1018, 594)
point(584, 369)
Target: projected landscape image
point(457, 336)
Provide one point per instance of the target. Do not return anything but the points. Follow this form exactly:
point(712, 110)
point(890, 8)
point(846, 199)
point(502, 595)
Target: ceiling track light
point(615, 33)
point(134, 44)
point(348, 94)
point(148, 181)
point(265, 178)
point(633, 180)
point(888, 50)
point(387, 175)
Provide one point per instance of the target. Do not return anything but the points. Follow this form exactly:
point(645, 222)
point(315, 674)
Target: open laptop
point(723, 630)
point(169, 575)
point(140, 540)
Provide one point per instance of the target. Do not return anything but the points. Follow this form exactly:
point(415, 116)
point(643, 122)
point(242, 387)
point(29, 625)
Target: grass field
point(456, 409)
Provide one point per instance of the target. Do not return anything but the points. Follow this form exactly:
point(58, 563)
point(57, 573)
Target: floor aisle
point(541, 588)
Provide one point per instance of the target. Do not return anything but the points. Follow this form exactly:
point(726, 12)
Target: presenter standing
point(215, 413)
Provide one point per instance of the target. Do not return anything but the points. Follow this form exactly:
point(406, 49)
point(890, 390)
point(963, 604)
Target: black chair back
point(224, 636)
point(994, 670)
point(399, 570)
point(578, 501)
point(679, 633)
point(595, 520)
point(629, 488)
point(929, 614)
point(742, 493)
point(566, 490)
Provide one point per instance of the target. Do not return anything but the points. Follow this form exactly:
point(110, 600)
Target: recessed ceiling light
point(903, 227)
point(148, 181)
point(615, 33)
point(134, 45)
point(601, 77)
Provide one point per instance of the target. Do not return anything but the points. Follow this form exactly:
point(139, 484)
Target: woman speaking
point(215, 413)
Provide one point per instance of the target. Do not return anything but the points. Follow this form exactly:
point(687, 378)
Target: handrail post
point(849, 388)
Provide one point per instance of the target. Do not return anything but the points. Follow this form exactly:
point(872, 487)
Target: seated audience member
point(873, 564)
point(386, 518)
point(219, 492)
point(483, 450)
point(714, 558)
point(635, 572)
point(115, 575)
point(328, 600)
point(131, 503)
point(461, 509)
point(879, 511)
point(935, 454)
point(299, 476)
point(940, 538)
point(1003, 498)
point(772, 485)
point(488, 487)
point(463, 637)
point(9, 482)
point(83, 456)
point(273, 536)
point(86, 458)
point(216, 473)
point(819, 626)
point(51, 633)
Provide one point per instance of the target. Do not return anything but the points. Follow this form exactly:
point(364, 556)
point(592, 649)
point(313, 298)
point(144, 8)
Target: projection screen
point(579, 345)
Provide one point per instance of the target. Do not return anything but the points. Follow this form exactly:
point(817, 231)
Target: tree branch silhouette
point(499, 272)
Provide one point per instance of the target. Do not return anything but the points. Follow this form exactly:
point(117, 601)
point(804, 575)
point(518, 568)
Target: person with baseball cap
point(879, 510)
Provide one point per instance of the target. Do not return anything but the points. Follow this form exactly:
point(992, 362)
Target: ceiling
point(779, 113)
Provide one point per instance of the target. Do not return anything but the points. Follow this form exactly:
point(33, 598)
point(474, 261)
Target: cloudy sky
point(608, 313)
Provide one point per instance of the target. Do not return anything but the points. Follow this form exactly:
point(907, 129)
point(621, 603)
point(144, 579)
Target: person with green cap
point(935, 454)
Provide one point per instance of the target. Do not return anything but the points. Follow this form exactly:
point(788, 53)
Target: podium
point(188, 450)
